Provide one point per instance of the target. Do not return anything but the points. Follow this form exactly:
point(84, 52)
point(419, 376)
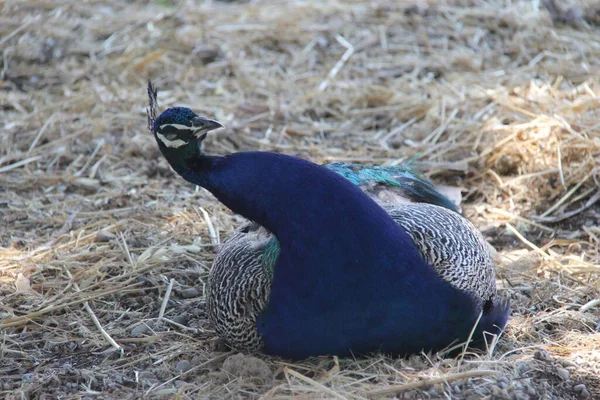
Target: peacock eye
point(170, 132)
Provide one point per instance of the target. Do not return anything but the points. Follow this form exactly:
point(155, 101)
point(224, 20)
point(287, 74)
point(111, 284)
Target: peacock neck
point(302, 203)
point(197, 170)
point(189, 162)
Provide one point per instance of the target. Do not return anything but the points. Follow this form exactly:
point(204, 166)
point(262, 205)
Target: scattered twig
point(165, 301)
point(197, 367)
point(126, 249)
point(429, 382)
point(214, 237)
point(567, 195)
point(180, 326)
point(520, 219)
point(20, 163)
point(40, 133)
point(338, 66)
point(99, 326)
point(535, 248)
point(93, 317)
point(312, 382)
point(23, 319)
point(589, 305)
point(466, 344)
point(90, 158)
point(591, 201)
point(19, 29)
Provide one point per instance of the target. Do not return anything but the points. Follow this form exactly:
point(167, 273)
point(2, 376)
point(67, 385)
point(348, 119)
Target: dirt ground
point(105, 251)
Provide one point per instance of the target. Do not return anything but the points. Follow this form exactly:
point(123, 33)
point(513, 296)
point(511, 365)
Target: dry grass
point(105, 251)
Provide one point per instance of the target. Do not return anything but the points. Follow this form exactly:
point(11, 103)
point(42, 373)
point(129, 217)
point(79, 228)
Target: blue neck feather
point(348, 279)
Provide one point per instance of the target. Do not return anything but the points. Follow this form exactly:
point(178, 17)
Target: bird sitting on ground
point(328, 265)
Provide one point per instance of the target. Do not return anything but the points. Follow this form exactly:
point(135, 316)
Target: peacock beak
point(204, 125)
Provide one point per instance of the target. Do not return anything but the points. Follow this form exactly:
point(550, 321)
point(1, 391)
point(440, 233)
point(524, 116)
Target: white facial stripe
point(174, 144)
point(179, 127)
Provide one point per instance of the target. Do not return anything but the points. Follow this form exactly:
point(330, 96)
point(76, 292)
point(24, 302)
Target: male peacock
point(333, 271)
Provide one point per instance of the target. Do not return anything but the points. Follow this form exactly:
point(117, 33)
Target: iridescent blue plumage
point(348, 279)
point(373, 179)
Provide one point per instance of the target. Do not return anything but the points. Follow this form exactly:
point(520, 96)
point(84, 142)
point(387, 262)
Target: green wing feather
point(402, 178)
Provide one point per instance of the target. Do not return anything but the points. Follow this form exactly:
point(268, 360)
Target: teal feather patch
point(269, 257)
point(360, 174)
point(409, 183)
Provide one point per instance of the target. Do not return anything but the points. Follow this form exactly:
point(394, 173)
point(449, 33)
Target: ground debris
point(492, 101)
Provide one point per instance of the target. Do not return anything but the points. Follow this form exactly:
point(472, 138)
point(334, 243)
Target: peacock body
point(241, 276)
point(338, 259)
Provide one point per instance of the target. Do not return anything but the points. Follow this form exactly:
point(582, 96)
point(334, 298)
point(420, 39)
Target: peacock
point(339, 259)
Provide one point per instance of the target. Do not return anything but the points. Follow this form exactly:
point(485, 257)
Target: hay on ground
point(105, 252)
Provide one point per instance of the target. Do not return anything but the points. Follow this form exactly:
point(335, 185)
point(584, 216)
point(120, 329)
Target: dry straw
point(105, 252)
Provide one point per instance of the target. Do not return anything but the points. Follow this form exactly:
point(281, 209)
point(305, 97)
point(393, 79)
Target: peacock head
point(177, 127)
point(180, 126)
